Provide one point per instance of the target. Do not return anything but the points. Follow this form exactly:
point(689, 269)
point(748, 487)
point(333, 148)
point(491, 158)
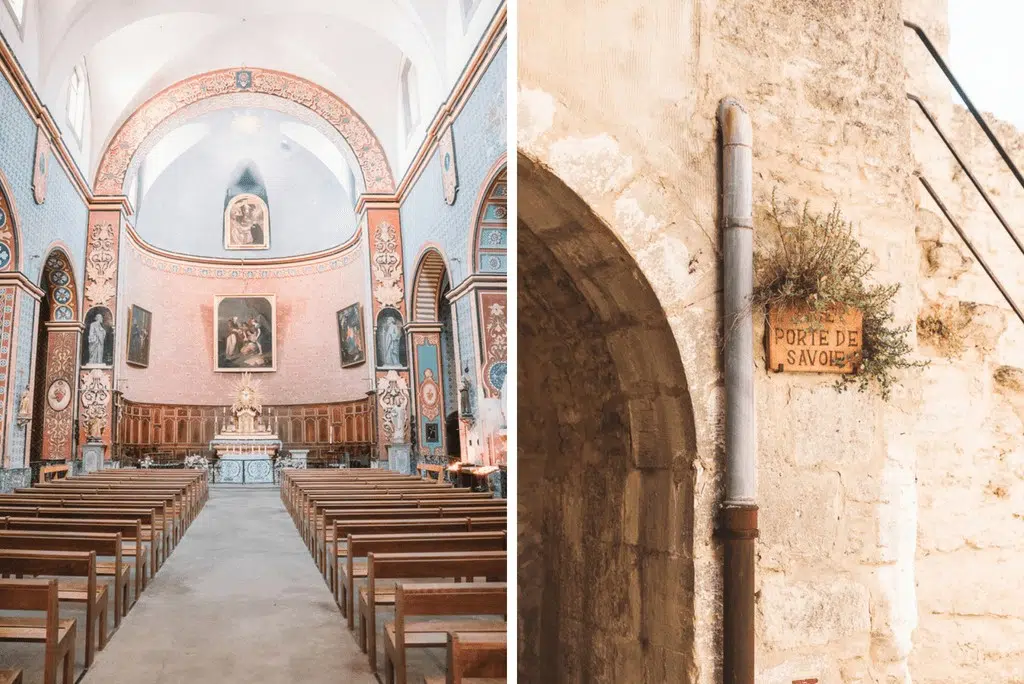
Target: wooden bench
point(151, 530)
point(475, 658)
point(432, 472)
point(57, 635)
point(331, 517)
point(104, 544)
point(491, 565)
point(10, 676)
point(22, 562)
point(342, 528)
point(361, 545)
point(53, 472)
point(435, 600)
point(130, 530)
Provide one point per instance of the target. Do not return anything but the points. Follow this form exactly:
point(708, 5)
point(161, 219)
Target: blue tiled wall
point(480, 138)
point(62, 217)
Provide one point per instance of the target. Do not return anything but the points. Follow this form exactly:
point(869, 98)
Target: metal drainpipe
point(739, 511)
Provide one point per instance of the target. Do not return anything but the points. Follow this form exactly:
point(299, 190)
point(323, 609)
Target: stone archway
point(112, 171)
point(56, 361)
point(606, 447)
point(433, 341)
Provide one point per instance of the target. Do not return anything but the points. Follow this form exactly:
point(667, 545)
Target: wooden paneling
point(173, 428)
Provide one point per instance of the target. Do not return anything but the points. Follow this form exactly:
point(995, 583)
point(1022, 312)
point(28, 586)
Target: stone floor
point(239, 600)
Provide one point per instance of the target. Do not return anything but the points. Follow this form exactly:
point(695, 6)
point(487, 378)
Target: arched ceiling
point(354, 48)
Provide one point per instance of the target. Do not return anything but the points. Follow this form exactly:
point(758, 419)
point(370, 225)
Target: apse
point(187, 182)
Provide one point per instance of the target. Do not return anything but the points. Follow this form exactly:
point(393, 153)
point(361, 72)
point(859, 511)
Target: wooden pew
point(336, 544)
point(391, 566)
point(56, 634)
point(10, 676)
point(104, 544)
point(151, 532)
point(162, 519)
point(315, 526)
point(343, 528)
point(131, 538)
point(433, 600)
point(475, 658)
point(432, 472)
point(23, 562)
point(360, 545)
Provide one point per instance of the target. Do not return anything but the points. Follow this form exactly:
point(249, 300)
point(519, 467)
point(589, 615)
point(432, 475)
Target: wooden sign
point(804, 341)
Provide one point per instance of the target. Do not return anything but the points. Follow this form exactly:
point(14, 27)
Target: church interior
point(253, 262)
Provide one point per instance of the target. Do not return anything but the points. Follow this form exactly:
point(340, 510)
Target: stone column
point(387, 293)
point(107, 216)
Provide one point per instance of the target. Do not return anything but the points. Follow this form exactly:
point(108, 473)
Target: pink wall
point(181, 355)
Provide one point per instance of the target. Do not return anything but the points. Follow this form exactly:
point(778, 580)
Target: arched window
point(17, 8)
point(410, 96)
point(77, 91)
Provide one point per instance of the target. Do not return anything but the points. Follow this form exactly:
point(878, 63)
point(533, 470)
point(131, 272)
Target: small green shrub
point(811, 260)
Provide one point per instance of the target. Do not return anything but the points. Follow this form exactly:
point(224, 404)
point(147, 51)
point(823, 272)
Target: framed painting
point(247, 223)
point(350, 335)
point(140, 323)
point(245, 333)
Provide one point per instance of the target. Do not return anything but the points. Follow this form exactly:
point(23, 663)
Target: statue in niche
point(25, 406)
point(390, 340)
point(98, 345)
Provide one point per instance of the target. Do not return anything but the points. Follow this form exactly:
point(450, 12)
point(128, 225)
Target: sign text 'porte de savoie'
point(809, 342)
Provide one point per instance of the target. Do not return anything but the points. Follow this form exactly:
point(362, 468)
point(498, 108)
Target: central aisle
point(240, 600)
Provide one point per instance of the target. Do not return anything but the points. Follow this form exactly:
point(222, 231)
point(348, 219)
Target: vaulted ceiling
point(355, 48)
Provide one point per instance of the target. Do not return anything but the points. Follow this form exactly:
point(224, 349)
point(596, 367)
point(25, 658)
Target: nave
point(237, 600)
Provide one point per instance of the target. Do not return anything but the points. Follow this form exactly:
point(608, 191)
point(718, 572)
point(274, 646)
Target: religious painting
point(246, 333)
point(140, 324)
point(390, 335)
point(98, 340)
point(247, 223)
point(350, 332)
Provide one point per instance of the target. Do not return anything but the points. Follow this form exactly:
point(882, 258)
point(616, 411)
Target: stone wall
point(970, 553)
point(627, 120)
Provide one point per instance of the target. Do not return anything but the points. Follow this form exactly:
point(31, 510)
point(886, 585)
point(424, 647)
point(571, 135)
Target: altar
point(246, 443)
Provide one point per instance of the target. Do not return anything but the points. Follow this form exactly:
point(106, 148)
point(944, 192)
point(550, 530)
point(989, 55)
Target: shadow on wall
point(606, 447)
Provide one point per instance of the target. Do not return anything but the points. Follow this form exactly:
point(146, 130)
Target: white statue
point(96, 426)
point(97, 339)
point(398, 423)
point(391, 337)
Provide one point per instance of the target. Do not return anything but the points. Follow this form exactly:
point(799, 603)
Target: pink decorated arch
point(117, 157)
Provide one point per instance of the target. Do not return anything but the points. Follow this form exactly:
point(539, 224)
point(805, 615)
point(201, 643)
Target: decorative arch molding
point(245, 100)
point(112, 172)
point(58, 282)
point(10, 235)
point(489, 246)
point(430, 271)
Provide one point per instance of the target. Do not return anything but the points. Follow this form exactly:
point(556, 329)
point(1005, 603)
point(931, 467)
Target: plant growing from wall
point(945, 327)
point(812, 261)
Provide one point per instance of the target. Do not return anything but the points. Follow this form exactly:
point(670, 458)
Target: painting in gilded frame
point(350, 334)
point(140, 326)
point(247, 223)
point(245, 331)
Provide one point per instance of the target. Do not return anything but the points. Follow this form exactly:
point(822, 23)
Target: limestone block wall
point(626, 119)
point(970, 553)
point(181, 355)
